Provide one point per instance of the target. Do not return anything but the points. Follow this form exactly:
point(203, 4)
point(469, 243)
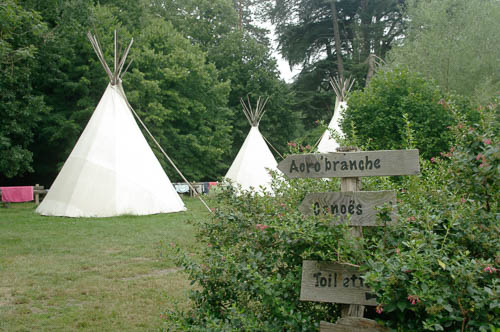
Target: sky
point(283, 66)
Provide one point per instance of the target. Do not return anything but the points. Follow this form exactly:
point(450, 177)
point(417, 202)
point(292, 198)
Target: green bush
point(249, 274)
point(437, 268)
point(375, 115)
point(434, 269)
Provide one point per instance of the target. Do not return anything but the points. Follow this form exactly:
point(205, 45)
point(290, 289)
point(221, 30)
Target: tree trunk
point(366, 22)
point(371, 68)
point(239, 8)
point(336, 34)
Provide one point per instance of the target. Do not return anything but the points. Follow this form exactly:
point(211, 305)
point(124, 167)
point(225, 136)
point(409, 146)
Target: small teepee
point(250, 168)
point(112, 170)
point(341, 87)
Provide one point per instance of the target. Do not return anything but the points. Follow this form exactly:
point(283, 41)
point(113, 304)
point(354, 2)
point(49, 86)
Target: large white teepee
point(328, 143)
point(111, 170)
point(250, 168)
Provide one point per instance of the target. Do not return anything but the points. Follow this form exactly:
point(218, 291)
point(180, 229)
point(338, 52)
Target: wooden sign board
point(351, 164)
point(334, 283)
point(360, 205)
point(352, 324)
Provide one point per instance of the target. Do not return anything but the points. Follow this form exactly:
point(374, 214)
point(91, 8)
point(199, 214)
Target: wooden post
point(352, 184)
point(37, 196)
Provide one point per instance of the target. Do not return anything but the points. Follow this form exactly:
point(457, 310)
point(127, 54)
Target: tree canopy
point(455, 43)
point(333, 38)
point(21, 107)
point(194, 60)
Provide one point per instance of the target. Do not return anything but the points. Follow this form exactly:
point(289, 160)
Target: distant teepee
point(111, 170)
point(341, 87)
point(250, 168)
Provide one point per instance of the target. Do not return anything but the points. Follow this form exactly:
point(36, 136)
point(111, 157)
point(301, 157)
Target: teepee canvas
point(250, 168)
point(111, 170)
point(328, 143)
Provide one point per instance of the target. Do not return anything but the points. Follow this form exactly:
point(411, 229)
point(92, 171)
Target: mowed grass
point(102, 274)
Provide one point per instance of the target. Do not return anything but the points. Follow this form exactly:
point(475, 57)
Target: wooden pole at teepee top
point(124, 57)
point(119, 61)
point(254, 115)
point(100, 56)
point(116, 53)
point(341, 86)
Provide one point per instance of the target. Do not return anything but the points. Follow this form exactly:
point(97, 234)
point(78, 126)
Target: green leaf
point(402, 305)
point(488, 290)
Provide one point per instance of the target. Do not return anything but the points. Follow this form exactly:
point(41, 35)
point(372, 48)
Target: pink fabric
point(17, 194)
point(210, 184)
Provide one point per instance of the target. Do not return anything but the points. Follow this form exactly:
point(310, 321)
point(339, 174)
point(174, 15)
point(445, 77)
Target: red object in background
point(17, 194)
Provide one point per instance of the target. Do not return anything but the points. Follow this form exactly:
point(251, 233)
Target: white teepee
point(111, 170)
point(341, 87)
point(250, 168)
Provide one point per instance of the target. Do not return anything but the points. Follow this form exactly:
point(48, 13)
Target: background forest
point(194, 60)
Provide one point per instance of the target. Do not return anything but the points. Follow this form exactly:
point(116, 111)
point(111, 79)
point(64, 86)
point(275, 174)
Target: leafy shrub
point(434, 269)
point(437, 268)
point(375, 114)
point(249, 274)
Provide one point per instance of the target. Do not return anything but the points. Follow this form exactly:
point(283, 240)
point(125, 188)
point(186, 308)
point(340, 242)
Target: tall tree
point(249, 12)
point(243, 57)
point(306, 30)
point(252, 71)
point(204, 22)
point(21, 32)
point(308, 37)
point(181, 97)
point(336, 34)
point(455, 43)
point(69, 77)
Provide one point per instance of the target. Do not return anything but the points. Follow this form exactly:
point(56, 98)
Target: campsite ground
point(90, 274)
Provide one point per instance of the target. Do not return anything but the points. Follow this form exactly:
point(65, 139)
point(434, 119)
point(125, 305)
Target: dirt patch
point(112, 250)
point(5, 297)
point(141, 259)
point(154, 273)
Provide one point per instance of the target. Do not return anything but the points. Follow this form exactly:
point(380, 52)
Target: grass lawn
point(103, 274)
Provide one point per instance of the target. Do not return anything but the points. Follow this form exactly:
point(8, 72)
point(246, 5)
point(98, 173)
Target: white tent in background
point(341, 87)
point(111, 170)
point(250, 167)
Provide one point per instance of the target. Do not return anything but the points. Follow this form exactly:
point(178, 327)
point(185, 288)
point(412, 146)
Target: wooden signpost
point(334, 282)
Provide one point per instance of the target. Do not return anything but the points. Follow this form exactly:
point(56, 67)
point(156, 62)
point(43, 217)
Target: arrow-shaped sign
point(334, 283)
point(360, 205)
point(351, 164)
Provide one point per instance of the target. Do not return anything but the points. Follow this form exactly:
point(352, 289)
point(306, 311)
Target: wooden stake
point(37, 197)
